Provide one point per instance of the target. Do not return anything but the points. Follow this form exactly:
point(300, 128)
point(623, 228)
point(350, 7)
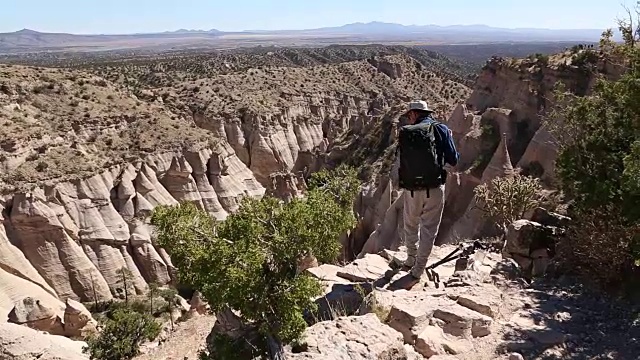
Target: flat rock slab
point(412, 311)
point(327, 272)
point(351, 338)
point(477, 304)
point(19, 342)
point(328, 276)
point(483, 299)
point(385, 299)
point(433, 341)
point(369, 268)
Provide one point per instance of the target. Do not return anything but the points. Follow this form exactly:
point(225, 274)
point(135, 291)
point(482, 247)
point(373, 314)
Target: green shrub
point(122, 335)
point(249, 262)
point(599, 168)
point(600, 246)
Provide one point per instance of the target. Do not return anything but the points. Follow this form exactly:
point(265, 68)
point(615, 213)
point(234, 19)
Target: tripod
point(465, 250)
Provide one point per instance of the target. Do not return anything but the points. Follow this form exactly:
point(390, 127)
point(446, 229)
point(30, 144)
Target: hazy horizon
point(287, 29)
point(145, 16)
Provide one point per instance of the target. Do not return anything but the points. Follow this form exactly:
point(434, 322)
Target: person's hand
point(451, 171)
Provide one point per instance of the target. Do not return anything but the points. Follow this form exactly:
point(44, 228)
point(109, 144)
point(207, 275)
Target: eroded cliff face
point(502, 129)
point(68, 241)
point(291, 140)
point(83, 161)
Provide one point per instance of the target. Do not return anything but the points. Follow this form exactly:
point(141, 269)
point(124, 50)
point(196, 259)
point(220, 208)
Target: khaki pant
point(422, 216)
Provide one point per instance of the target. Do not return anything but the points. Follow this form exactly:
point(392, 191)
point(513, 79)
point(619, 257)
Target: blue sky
point(128, 16)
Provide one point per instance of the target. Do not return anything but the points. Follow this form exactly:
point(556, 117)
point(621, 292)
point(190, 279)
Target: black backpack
point(420, 166)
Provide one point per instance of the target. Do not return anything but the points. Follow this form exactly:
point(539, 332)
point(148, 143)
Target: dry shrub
point(599, 247)
point(507, 199)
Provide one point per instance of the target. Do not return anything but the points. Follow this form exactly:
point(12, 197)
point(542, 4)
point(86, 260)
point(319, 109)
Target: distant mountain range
point(376, 27)
point(29, 40)
point(185, 31)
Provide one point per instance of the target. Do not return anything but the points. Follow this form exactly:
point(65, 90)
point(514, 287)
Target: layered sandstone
point(84, 161)
point(285, 142)
point(22, 343)
point(68, 241)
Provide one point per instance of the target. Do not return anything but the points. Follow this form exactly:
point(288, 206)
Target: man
point(423, 178)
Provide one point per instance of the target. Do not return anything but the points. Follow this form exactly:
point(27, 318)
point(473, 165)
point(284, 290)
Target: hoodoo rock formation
point(68, 241)
point(84, 161)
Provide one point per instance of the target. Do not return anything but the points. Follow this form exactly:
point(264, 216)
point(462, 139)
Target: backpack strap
point(441, 143)
point(440, 156)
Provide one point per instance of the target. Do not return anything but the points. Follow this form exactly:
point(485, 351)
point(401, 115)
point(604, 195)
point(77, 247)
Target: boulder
point(78, 322)
point(432, 341)
point(463, 322)
point(549, 218)
point(429, 342)
point(527, 241)
point(33, 313)
point(411, 312)
point(198, 305)
point(540, 260)
point(353, 338)
point(22, 343)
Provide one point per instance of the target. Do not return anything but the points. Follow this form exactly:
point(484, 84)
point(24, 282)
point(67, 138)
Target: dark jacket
point(445, 147)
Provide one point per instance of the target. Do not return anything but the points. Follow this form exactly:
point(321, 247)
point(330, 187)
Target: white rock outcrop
point(67, 241)
point(19, 342)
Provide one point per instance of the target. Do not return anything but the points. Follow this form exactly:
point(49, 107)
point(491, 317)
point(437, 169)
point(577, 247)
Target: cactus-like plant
point(507, 199)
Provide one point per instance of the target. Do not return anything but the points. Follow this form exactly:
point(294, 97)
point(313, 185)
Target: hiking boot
point(409, 263)
point(416, 273)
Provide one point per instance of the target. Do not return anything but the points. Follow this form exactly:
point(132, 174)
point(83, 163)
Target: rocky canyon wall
point(293, 138)
point(69, 240)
